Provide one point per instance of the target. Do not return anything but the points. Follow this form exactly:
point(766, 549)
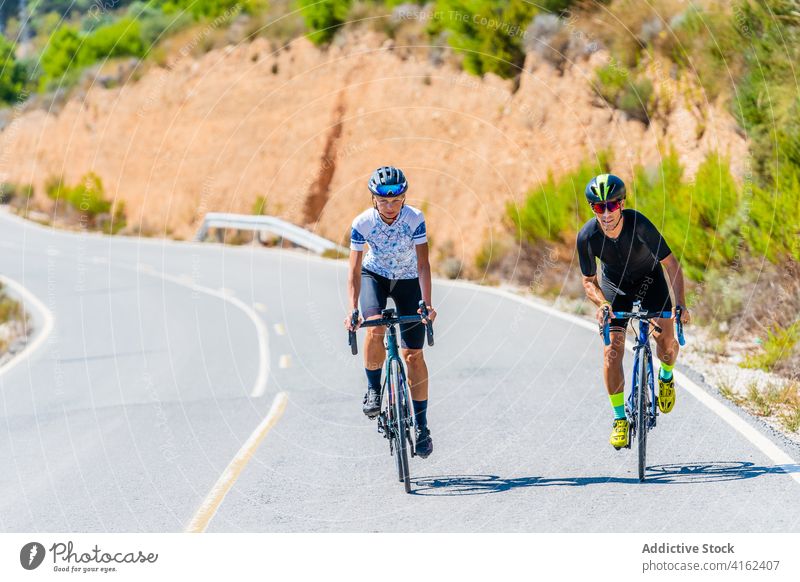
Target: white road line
point(285, 361)
point(29, 300)
point(260, 385)
point(279, 329)
point(757, 439)
point(765, 445)
point(231, 473)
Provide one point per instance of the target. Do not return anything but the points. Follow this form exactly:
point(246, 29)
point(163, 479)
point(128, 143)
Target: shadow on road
point(709, 472)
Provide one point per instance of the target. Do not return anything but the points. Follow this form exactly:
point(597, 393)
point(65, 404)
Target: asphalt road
point(165, 357)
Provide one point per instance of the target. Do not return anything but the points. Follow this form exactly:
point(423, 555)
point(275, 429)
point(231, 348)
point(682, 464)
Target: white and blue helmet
point(388, 182)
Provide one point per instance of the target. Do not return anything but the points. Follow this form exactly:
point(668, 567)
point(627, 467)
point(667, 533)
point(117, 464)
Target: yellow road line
point(217, 494)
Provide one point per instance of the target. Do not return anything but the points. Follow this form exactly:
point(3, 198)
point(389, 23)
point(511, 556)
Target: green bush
point(777, 345)
point(12, 73)
point(69, 51)
point(323, 17)
point(699, 219)
point(259, 206)
point(120, 38)
point(88, 197)
point(54, 188)
point(63, 57)
point(557, 209)
point(774, 231)
point(622, 90)
point(488, 33)
point(9, 191)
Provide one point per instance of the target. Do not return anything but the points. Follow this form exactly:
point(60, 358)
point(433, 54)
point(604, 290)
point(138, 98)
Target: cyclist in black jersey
point(634, 258)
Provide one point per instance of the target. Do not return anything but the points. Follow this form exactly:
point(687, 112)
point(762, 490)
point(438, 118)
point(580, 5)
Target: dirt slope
point(305, 128)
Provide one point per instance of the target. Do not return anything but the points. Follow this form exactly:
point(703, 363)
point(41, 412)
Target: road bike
point(396, 420)
point(641, 408)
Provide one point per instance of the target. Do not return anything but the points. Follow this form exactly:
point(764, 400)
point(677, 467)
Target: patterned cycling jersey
point(392, 247)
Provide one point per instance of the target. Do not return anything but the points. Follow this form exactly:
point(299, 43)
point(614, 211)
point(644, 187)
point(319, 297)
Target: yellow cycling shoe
point(666, 394)
point(619, 436)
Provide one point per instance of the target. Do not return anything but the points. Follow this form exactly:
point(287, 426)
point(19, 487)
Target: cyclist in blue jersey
point(634, 258)
point(396, 265)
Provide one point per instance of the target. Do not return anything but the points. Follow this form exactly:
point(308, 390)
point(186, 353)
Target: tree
point(12, 73)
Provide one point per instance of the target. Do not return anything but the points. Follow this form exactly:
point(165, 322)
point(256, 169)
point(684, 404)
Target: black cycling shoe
point(372, 403)
point(424, 443)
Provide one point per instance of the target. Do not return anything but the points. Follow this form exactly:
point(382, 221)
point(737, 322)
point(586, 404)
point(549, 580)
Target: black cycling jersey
point(626, 260)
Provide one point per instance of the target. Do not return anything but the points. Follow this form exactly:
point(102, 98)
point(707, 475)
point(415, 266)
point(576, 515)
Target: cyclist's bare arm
point(353, 282)
point(424, 271)
point(675, 278)
point(595, 295)
point(593, 291)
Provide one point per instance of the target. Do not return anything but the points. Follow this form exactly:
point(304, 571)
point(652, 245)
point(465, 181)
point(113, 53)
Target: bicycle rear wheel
point(399, 429)
point(642, 416)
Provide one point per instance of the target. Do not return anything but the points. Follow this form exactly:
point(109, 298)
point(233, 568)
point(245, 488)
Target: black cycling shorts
point(406, 293)
point(652, 290)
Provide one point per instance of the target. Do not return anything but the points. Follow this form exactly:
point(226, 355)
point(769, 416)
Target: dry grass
point(779, 402)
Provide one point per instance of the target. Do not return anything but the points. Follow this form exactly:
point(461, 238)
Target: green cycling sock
point(618, 403)
point(665, 373)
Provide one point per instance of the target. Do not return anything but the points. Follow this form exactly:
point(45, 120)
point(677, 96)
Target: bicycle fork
point(632, 401)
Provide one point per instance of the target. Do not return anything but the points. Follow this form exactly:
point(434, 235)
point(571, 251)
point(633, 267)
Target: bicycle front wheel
point(642, 416)
point(399, 429)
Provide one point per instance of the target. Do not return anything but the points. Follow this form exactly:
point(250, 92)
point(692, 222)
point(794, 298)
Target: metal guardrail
point(271, 224)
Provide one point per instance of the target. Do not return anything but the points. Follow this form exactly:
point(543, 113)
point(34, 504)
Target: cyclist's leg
point(657, 298)
point(613, 373)
point(407, 295)
point(613, 355)
point(374, 292)
point(614, 377)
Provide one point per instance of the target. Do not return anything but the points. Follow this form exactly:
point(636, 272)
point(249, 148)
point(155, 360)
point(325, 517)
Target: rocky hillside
point(304, 127)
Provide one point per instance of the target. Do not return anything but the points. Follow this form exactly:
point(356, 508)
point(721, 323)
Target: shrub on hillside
point(488, 33)
point(12, 73)
point(10, 192)
point(88, 196)
point(557, 209)
point(701, 219)
point(621, 89)
point(324, 17)
point(69, 51)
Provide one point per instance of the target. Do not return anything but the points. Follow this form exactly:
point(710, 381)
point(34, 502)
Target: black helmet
point(605, 187)
point(388, 182)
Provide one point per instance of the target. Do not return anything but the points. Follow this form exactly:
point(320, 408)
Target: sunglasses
point(600, 207)
point(390, 189)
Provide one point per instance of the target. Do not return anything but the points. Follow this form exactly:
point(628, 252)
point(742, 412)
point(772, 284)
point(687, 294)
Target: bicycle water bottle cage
point(386, 313)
